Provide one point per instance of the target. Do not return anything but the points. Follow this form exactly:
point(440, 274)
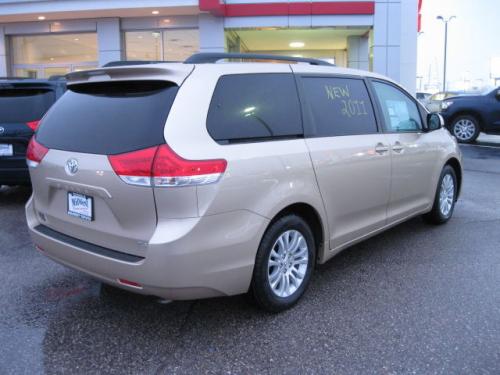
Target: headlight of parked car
point(446, 104)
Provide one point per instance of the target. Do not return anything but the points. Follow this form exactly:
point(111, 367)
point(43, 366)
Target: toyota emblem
point(2, 130)
point(71, 167)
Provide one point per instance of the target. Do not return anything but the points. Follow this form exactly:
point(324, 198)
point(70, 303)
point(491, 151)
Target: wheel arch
point(312, 217)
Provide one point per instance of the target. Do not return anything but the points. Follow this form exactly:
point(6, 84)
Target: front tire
point(465, 129)
point(446, 196)
point(284, 264)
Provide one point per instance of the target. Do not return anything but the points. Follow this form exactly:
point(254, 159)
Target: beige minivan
point(204, 179)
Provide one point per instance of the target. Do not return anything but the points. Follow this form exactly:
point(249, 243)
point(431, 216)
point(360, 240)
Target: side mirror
point(498, 94)
point(434, 121)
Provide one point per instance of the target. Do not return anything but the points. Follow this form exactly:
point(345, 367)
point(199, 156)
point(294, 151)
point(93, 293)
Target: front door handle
point(381, 148)
point(398, 147)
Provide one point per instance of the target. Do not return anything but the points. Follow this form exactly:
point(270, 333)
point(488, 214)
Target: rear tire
point(444, 201)
point(284, 264)
point(465, 129)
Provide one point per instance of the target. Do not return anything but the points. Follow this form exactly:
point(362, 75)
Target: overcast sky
point(473, 39)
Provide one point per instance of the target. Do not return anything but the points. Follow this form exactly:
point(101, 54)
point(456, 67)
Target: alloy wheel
point(287, 263)
point(446, 195)
point(464, 129)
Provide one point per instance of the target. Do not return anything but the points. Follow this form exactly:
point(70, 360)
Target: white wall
point(395, 41)
point(212, 37)
point(3, 53)
point(109, 40)
point(358, 51)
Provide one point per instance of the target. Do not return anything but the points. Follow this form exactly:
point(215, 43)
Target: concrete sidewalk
point(488, 139)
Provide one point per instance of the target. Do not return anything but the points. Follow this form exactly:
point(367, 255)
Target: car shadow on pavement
point(13, 195)
point(113, 331)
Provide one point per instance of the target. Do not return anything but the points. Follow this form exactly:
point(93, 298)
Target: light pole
point(419, 77)
point(445, 20)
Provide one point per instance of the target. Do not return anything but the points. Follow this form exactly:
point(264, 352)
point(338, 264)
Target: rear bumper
point(14, 171)
point(185, 259)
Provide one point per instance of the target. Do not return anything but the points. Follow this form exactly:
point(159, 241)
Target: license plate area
point(81, 206)
point(6, 149)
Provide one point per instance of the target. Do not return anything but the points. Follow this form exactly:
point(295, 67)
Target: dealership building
point(41, 38)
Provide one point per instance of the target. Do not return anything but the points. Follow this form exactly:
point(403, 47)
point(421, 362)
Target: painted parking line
point(484, 146)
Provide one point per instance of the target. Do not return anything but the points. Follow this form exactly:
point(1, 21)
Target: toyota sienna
point(203, 179)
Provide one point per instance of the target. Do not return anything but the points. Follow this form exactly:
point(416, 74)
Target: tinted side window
point(339, 106)
point(254, 106)
point(400, 112)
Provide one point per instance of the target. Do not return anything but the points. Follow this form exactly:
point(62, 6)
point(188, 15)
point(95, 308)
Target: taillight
point(33, 125)
point(161, 166)
point(169, 169)
point(134, 167)
point(35, 153)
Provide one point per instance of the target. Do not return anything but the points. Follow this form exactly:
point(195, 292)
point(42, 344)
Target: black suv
point(466, 116)
point(23, 102)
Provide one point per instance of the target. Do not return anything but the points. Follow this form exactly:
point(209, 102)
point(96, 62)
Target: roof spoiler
point(213, 57)
point(176, 73)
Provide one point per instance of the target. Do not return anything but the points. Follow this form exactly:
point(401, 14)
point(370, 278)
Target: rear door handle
point(398, 147)
point(381, 148)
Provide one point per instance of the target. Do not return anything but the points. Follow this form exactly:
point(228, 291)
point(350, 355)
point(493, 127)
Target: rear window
point(24, 104)
point(253, 107)
point(109, 117)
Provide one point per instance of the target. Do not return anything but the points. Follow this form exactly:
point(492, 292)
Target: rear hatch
point(87, 137)
point(22, 105)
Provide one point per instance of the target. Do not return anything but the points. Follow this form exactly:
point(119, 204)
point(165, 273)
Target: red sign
point(419, 19)
point(218, 8)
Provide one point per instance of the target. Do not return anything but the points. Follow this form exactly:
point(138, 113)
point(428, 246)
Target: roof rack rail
point(213, 57)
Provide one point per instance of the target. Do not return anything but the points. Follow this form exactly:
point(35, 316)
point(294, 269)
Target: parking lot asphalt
point(416, 299)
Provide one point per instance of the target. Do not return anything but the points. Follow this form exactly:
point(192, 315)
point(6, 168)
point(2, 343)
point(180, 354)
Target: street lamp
point(419, 77)
point(445, 20)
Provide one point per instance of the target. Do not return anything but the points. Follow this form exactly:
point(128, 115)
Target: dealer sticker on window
point(81, 206)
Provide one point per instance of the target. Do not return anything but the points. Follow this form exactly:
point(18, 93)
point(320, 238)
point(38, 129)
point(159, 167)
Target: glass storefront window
point(178, 45)
point(53, 49)
point(143, 45)
point(42, 56)
point(28, 73)
point(168, 45)
point(56, 71)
